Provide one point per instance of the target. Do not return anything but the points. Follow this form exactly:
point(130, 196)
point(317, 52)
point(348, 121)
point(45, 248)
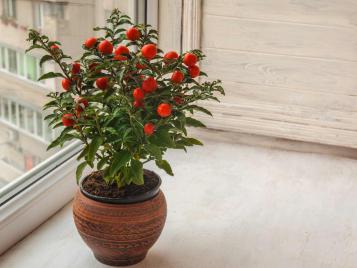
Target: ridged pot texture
point(119, 234)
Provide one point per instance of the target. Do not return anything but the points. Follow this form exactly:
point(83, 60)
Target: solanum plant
point(126, 101)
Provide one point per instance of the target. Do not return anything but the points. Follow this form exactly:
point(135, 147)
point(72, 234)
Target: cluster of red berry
point(148, 84)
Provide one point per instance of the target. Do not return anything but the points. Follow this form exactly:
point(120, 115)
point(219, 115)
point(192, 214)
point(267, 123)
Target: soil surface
point(95, 185)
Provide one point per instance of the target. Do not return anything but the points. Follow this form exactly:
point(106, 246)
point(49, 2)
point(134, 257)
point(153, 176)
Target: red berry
point(164, 109)
point(68, 120)
point(82, 103)
point(120, 53)
point(178, 100)
point(149, 51)
point(138, 104)
point(171, 55)
point(90, 42)
point(105, 47)
point(76, 68)
point(190, 59)
point(133, 34)
point(149, 129)
point(54, 47)
point(138, 94)
point(177, 77)
point(66, 84)
point(194, 71)
point(102, 82)
point(140, 66)
point(149, 84)
point(92, 67)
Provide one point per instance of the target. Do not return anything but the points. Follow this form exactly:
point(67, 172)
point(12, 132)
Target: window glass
point(30, 120)
point(9, 8)
point(38, 15)
point(23, 133)
point(3, 57)
point(13, 108)
point(21, 64)
point(39, 126)
point(22, 117)
point(12, 60)
point(6, 109)
point(31, 66)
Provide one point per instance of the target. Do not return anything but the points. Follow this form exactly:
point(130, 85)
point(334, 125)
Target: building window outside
point(38, 11)
point(9, 8)
point(26, 118)
point(19, 63)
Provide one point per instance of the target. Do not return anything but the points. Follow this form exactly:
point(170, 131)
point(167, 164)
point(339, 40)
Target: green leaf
point(194, 122)
point(201, 109)
point(79, 170)
point(137, 172)
point(101, 163)
point(62, 138)
point(50, 75)
point(119, 160)
point(45, 58)
point(163, 164)
point(153, 150)
point(93, 148)
point(194, 141)
point(83, 153)
point(162, 138)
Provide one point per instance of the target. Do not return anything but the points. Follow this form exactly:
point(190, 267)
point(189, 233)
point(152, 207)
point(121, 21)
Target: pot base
point(121, 262)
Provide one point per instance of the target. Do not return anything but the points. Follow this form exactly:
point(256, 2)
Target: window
point(19, 63)
point(27, 119)
point(54, 10)
point(12, 61)
point(38, 12)
point(9, 8)
point(29, 173)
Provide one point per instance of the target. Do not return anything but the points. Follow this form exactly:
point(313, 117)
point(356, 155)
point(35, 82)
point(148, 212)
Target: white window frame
point(39, 193)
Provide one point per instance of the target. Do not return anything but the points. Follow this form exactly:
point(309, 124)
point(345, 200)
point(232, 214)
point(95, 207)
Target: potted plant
point(127, 103)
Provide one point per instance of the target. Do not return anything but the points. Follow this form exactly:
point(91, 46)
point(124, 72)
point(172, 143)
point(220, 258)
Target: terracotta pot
point(120, 231)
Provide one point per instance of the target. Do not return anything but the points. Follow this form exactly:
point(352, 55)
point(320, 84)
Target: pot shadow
point(154, 259)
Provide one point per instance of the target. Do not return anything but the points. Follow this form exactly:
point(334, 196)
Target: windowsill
point(230, 205)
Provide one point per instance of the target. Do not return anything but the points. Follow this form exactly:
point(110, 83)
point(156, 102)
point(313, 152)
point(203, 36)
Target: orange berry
point(164, 110)
point(190, 59)
point(90, 42)
point(133, 34)
point(105, 47)
point(149, 51)
point(149, 129)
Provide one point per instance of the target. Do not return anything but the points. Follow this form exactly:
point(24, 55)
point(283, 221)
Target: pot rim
point(124, 200)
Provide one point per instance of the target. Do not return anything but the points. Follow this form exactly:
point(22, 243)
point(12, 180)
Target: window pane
point(13, 112)
point(21, 63)
point(31, 67)
point(3, 57)
point(22, 129)
point(12, 60)
point(39, 124)
point(22, 117)
point(30, 119)
point(6, 110)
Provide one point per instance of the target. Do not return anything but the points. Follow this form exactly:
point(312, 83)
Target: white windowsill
point(230, 206)
point(37, 195)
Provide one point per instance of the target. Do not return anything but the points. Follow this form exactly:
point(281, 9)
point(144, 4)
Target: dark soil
point(95, 185)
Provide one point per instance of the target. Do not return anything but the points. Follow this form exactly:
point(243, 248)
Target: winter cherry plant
point(126, 101)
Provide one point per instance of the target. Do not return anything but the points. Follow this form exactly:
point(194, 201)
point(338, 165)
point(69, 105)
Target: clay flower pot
point(120, 231)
